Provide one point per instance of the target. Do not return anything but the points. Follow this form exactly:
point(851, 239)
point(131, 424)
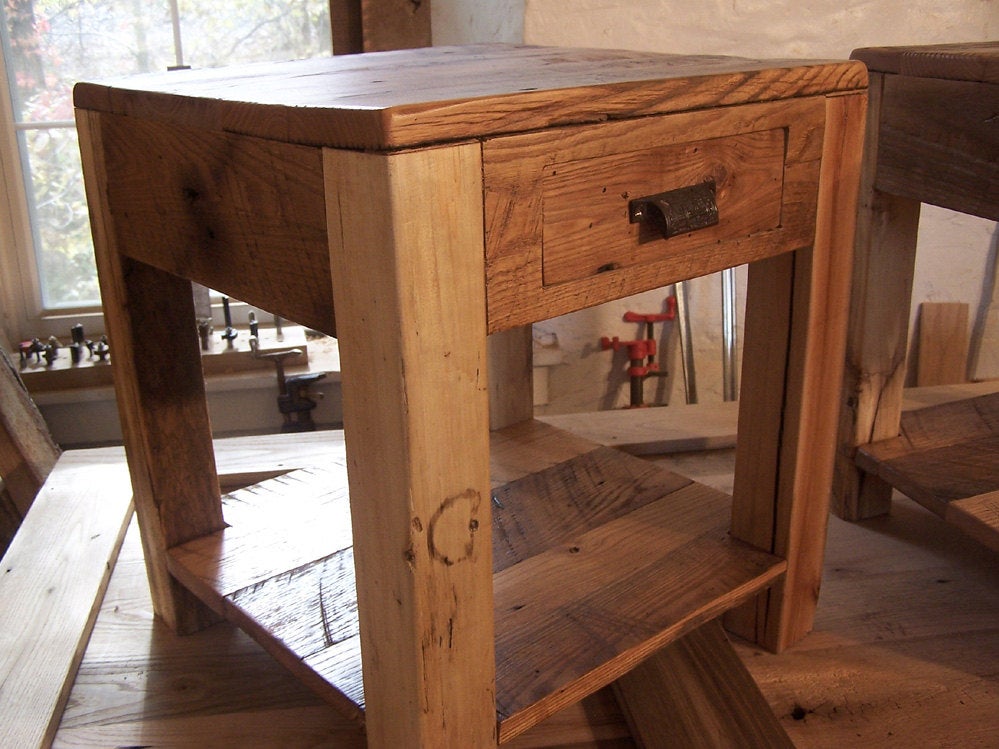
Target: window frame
point(21, 306)
point(23, 314)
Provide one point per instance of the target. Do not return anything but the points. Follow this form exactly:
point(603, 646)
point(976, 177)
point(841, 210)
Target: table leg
point(149, 317)
point(796, 312)
point(511, 383)
point(884, 262)
point(876, 349)
point(408, 279)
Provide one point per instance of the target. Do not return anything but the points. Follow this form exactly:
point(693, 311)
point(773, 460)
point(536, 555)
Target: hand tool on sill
point(294, 401)
point(27, 349)
point(230, 333)
point(642, 362)
point(78, 342)
point(51, 352)
point(101, 349)
point(205, 332)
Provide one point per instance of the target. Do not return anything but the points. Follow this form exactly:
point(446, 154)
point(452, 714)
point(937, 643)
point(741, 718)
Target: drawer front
point(558, 230)
point(585, 230)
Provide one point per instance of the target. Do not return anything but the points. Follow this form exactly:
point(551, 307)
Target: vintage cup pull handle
point(679, 211)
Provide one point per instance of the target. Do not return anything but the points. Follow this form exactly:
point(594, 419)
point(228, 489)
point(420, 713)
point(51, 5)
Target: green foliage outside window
point(48, 45)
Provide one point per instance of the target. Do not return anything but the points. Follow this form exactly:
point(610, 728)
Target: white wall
point(469, 21)
point(763, 28)
point(955, 251)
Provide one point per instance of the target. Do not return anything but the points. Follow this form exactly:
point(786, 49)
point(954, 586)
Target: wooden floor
point(905, 654)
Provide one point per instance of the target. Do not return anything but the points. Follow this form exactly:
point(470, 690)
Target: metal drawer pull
point(677, 211)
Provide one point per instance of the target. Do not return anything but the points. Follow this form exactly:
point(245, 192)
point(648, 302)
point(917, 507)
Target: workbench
point(932, 137)
point(425, 207)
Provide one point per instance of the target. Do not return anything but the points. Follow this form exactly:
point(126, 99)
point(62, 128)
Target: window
point(47, 46)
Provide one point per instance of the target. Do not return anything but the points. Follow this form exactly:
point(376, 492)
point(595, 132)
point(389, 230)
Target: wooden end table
point(932, 137)
point(433, 198)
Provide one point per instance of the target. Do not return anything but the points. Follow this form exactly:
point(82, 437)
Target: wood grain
point(585, 201)
point(985, 360)
point(977, 516)
point(160, 392)
point(346, 27)
point(412, 97)
point(932, 138)
point(10, 518)
point(939, 143)
point(394, 24)
point(816, 355)
point(967, 61)
point(240, 215)
point(404, 231)
point(766, 339)
point(578, 616)
point(656, 431)
point(530, 273)
point(545, 509)
point(877, 341)
point(796, 425)
point(943, 343)
point(530, 447)
point(904, 645)
point(511, 379)
point(76, 524)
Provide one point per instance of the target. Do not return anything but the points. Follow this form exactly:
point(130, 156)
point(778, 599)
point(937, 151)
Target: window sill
point(81, 411)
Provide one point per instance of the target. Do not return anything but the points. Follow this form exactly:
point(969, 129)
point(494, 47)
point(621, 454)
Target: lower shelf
point(600, 559)
point(945, 458)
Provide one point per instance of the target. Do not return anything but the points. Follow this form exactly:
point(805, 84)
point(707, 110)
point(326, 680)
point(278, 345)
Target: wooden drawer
point(558, 235)
point(584, 226)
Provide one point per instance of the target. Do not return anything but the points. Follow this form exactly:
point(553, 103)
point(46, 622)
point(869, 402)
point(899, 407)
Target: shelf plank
point(600, 559)
point(580, 493)
point(282, 555)
point(573, 619)
point(943, 453)
point(945, 459)
point(977, 516)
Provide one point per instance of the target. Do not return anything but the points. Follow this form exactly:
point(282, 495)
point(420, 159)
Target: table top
point(975, 61)
point(416, 97)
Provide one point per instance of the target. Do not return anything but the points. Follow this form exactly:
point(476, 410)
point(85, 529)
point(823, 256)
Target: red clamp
point(669, 314)
point(637, 351)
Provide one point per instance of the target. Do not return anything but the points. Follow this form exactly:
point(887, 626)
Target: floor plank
point(906, 641)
